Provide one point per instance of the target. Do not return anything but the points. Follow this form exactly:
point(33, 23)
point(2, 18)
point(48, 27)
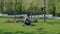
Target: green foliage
point(58, 14)
point(23, 6)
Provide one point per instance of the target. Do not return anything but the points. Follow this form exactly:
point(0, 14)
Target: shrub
point(58, 14)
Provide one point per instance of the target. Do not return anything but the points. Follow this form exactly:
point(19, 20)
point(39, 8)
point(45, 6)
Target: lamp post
point(44, 10)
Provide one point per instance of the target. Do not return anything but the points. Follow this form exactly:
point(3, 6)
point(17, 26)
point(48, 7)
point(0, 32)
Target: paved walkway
point(57, 18)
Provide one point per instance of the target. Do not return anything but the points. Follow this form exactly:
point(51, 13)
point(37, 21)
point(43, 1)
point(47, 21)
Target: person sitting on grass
point(27, 20)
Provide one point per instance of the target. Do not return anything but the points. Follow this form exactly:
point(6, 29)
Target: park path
point(56, 17)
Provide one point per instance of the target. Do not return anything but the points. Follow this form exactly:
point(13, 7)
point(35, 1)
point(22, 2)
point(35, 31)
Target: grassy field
point(52, 26)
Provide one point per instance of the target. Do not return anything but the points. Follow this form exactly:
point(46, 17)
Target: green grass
point(52, 26)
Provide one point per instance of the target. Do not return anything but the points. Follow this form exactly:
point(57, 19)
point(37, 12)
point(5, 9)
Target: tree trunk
point(1, 5)
point(15, 11)
point(44, 10)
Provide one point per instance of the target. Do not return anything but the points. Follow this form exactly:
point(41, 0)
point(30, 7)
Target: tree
point(44, 10)
point(9, 7)
point(52, 7)
point(15, 10)
point(1, 5)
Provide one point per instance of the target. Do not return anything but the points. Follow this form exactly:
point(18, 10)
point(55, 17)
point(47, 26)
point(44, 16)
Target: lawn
point(52, 26)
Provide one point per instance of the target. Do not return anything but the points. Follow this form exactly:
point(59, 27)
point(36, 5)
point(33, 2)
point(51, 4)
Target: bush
point(58, 14)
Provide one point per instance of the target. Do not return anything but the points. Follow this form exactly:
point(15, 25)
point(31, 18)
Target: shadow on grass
point(33, 32)
point(59, 33)
point(21, 32)
point(7, 33)
point(0, 31)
